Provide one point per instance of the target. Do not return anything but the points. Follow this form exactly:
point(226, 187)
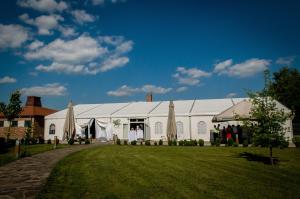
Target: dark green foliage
point(133, 142)
point(230, 142)
point(235, 144)
point(49, 141)
point(71, 141)
point(170, 142)
point(160, 142)
point(147, 143)
point(245, 143)
point(118, 141)
point(201, 142)
point(25, 154)
point(3, 145)
point(125, 142)
point(155, 143)
point(27, 137)
point(41, 140)
point(87, 141)
point(217, 142)
point(180, 143)
point(296, 141)
point(174, 142)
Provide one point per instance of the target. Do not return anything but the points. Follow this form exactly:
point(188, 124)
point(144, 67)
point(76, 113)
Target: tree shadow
point(258, 158)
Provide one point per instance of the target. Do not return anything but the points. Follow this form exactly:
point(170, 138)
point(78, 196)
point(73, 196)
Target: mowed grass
point(173, 172)
point(31, 149)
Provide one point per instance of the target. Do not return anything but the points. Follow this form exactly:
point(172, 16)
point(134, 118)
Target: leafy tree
point(12, 109)
point(285, 87)
point(266, 120)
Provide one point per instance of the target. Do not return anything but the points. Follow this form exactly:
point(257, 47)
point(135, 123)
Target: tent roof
point(144, 109)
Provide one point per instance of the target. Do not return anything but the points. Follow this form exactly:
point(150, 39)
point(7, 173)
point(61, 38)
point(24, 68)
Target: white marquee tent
point(102, 121)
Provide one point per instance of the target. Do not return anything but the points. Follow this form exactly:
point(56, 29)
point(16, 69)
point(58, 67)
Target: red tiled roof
point(34, 111)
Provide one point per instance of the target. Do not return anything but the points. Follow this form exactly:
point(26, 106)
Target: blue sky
point(95, 51)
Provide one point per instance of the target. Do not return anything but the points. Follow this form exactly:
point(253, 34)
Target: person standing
point(235, 134)
point(131, 135)
point(139, 133)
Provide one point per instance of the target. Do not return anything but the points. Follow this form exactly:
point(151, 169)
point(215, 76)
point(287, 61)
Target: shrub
point(195, 142)
point(180, 143)
point(155, 143)
point(125, 142)
point(147, 143)
point(118, 141)
point(71, 141)
point(49, 141)
point(133, 142)
point(230, 142)
point(235, 144)
point(212, 143)
point(41, 140)
point(79, 140)
point(33, 141)
point(296, 141)
point(201, 142)
point(169, 142)
point(87, 141)
point(245, 143)
point(141, 143)
point(160, 142)
point(174, 142)
point(25, 154)
point(3, 145)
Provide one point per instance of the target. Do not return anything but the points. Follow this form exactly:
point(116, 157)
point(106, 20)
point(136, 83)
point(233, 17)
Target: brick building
point(32, 115)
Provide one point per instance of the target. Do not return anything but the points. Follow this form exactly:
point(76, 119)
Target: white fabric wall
point(59, 126)
point(194, 127)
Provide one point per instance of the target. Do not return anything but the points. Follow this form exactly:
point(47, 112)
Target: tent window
point(158, 128)
point(179, 126)
point(52, 129)
point(201, 127)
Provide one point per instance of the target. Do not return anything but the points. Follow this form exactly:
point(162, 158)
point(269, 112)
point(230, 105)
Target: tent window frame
point(52, 129)
point(179, 124)
point(202, 128)
point(158, 128)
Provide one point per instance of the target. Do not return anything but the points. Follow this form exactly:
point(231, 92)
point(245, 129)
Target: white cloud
point(43, 5)
point(83, 55)
point(35, 45)
point(181, 89)
point(7, 80)
point(189, 76)
point(54, 89)
point(231, 95)
point(128, 91)
point(44, 23)
point(287, 61)
point(67, 31)
point(81, 16)
point(247, 68)
point(12, 36)
point(98, 2)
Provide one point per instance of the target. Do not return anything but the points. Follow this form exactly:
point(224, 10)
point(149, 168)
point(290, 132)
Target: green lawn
point(174, 172)
point(32, 149)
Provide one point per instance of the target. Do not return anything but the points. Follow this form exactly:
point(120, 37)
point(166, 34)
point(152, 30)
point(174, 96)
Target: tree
point(285, 87)
point(268, 126)
point(12, 109)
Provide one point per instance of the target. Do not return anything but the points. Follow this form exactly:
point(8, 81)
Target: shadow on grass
point(258, 158)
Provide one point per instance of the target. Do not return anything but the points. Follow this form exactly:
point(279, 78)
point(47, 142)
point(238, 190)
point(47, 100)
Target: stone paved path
point(25, 177)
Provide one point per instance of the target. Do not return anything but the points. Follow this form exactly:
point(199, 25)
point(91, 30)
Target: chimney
point(149, 97)
point(33, 101)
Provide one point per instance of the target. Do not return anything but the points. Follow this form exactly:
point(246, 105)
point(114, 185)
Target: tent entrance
point(134, 122)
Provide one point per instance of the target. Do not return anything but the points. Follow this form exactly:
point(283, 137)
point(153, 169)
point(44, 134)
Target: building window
point(14, 123)
point(1, 123)
point(52, 129)
point(27, 123)
point(201, 127)
point(179, 127)
point(158, 128)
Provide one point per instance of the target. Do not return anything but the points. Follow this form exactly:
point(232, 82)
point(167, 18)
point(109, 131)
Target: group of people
point(234, 132)
point(136, 134)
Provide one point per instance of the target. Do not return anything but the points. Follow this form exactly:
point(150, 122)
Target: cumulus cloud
point(12, 36)
point(7, 80)
point(128, 91)
point(43, 5)
point(101, 2)
point(247, 68)
point(82, 55)
point(81, 16)
point(35, 45)
point(189, 76)
point(67, 31)
point(287, 61)
point(54, 89)
point(181, 89)
point(44, 23)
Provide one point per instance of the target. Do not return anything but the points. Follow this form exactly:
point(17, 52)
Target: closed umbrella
point(171, 125)
point(69, 126)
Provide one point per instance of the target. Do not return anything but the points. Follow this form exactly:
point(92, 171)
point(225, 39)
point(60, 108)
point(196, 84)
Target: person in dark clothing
point(224, 135)
point(240, 133)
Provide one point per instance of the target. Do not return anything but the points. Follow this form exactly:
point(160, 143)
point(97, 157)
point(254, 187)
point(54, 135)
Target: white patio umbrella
point(69, 126)
point(171, 125)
